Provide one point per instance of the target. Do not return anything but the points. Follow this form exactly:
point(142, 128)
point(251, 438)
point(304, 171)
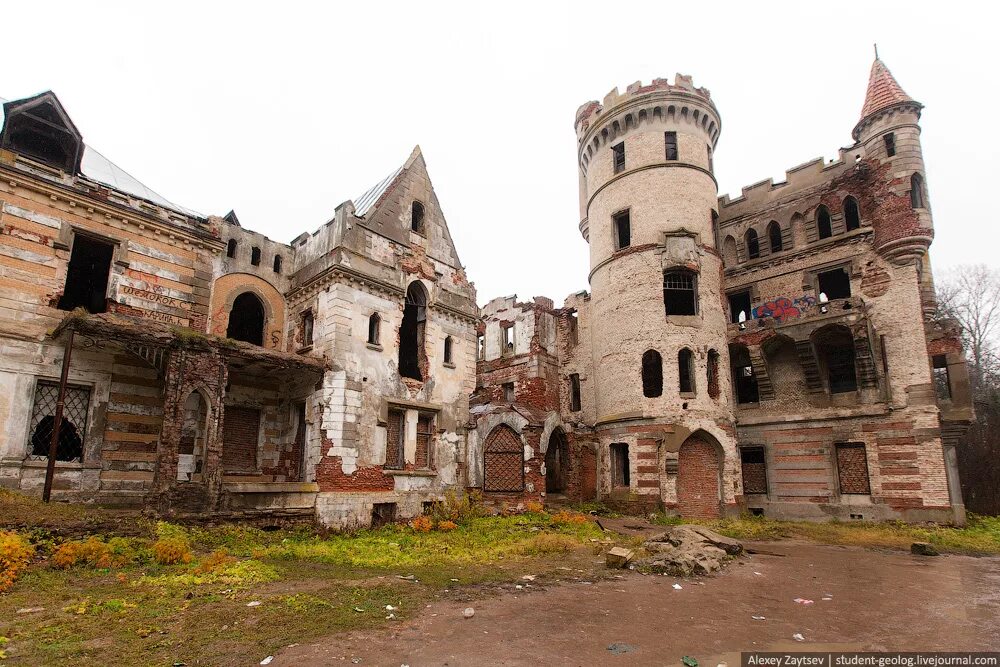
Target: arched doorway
point(246, 319)
point(556, 462)
point(503, 461)
point(698, 477)
point(411, 332)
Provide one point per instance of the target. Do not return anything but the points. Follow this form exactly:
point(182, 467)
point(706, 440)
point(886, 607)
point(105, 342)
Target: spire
point(883, 90)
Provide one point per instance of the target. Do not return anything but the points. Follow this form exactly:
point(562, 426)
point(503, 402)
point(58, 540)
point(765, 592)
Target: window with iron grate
point(72, 431)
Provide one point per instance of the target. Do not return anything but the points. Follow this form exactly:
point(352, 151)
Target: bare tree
point(971, 295)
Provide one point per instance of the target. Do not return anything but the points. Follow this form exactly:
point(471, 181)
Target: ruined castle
point(777, 353)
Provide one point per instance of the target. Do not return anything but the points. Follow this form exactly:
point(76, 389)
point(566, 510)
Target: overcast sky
point(282, 111)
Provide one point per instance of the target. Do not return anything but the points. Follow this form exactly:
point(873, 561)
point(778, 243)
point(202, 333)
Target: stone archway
point(556, 462)
point(698, 487)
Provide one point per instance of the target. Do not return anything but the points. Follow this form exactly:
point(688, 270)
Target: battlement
point(682, 84)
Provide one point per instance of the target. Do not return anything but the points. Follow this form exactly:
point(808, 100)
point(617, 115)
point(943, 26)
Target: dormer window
point(39, 128)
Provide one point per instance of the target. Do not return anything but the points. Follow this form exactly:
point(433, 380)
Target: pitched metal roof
point(99, 168)
point(371, 198)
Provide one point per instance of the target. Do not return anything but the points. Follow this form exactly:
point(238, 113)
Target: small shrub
point(215, 562)
point(91, 551)
point(15, 554)
point(459, 507)
point(422, 524)
point(447, 525)
point(171, 551)
point(535, 507)
point(565, 518)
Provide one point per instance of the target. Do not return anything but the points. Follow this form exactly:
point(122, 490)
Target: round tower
point(648, 200)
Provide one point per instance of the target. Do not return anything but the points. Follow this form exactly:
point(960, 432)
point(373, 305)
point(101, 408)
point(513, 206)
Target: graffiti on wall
point(784, 308)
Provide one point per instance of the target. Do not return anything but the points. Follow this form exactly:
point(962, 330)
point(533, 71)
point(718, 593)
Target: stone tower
point(648, 199)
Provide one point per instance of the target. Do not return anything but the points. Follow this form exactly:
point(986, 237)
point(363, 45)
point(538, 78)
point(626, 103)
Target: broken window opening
point(507, 339)
point(307, 328)
point(574, 329)
point(620, 477)
point(246, 319)
point(574, 392)
point(670, 140)
point(835, 284)
point(231, 248)
point(711, 163)
point(623, 229)
point(374, 328)
point(852, 468)
point(508, 392)
point(618, 153)
point(754, 466)
point(852, 215)
point(824, 227)
point(72, 429)
point(395, 433)
point(383, 514)
point(481, 347)
point(753, 244)
point(191, 450)
point(87, 275)
point(917, 191)
point(942, 380)
point(890, 144)
point(774, 236)
point(713, 374)
point(835, 351)
point(685, 371)
point(417, 217)
point(679, 294)
point(739, 302)
point(744, 380)
point(447, 350)
point(412, 357)
point(255, 256)
point(277, 264)
point(652, 374)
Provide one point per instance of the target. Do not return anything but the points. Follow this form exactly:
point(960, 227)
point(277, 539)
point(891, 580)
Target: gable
point(39, 128)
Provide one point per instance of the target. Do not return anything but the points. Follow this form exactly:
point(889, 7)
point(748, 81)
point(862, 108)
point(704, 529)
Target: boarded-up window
point(240, 434)
point(394, 430)
point(425, 440)
point(619, 465)
point(503, 461)
point(73, 429)
point(852, 468)
point(754, 470)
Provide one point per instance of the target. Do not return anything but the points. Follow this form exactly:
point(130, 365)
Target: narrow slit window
point(508, 339)
point(448, 359)
point(255, 256)
point(481, 347)
point(620, 477)
point(685, 371)
point(713, 374)
point(623, 230)
point(711, 162)
point(618, 155)
point(395, 432)
point(824, 227)
point(670, 140)
point(753, 244)
point(307, 328)
point(508, 392)
point(417, 217)
point(679, 294)
point(277, 264)
point(917, 191)
point(574, 392)
point(852, 215)
point(890, 144)
point(374, 327)
point(942, 381)
point(774, 237)
point(231, 248)
point(652, 374)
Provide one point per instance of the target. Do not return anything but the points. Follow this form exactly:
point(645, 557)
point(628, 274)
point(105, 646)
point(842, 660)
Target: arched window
point(753, 244)
point(774, 236)
point(246, 319)
point(685, 371)
point(412, 357)
point(729, 251)
point(417, 216)
point(852, 215)
point(277, 264)
point(824, 228)
point(255, 256)
point(447, 350)
point(917, 191)
point(231, 248)
point(374, 326)
point(652, 374)
point(713, 374)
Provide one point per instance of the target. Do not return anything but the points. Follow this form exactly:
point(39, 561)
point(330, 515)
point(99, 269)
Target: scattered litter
point(677, 587)
point(408, 577)
point(689, 661)
point(469, 612)
point(255, 603)
point(267, 660)
point(356, 661)
point(827, 599)
point(759, 618)
point(759, 574)
point(29, 610)
point(798, 637)
point(519, 587)
point(803, 601)
point(390, 617)
point(389, 607)
point(618, 648)
point(528, 577)
point(359, 610)
point(454, 579)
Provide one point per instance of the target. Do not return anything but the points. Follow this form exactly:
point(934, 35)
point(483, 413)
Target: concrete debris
point(267, 660)
point(29, 610)
point(469, 612)
point(618, 557)
point(923, 549)
point(691, 550)
point(254, 603)
point(618, 648)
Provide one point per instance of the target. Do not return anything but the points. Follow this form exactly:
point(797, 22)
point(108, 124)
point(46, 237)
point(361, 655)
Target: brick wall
point(698, 480)
point(240, 437)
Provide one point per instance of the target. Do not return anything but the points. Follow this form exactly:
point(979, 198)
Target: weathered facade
point(776, 352)
point(212, 369)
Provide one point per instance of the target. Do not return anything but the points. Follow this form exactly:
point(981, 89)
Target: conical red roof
point(883, 91)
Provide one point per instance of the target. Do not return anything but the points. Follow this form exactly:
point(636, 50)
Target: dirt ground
point(878, 600)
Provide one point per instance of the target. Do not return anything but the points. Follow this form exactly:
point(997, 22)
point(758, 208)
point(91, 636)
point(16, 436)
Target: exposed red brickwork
point(425, 435)
point(331, 477)
point(698, 480)
point(240, 436)
point(394, 439)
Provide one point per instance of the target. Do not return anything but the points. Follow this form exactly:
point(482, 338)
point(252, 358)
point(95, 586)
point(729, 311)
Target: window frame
point(670, 142)
point(575, 393)
point(889, 141)
point(307, 321)
point(618, 220)
point(621, 474)
point(374, 330)
point(693, 289)
point(618, 157)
